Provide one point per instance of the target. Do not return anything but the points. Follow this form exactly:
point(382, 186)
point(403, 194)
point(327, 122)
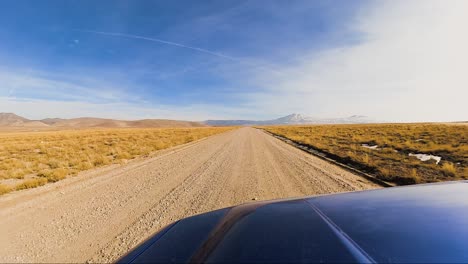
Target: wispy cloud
point(20, 83)
point(41, 108)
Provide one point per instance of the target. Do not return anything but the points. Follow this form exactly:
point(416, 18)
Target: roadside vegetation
point(31, 159)
point(390, 151)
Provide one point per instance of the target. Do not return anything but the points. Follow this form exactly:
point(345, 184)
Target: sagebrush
point(390, 160)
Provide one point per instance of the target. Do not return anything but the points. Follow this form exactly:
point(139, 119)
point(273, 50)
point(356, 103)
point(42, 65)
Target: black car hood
point(424, 223)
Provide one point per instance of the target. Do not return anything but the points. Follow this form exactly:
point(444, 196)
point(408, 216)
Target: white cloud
point(412, 65)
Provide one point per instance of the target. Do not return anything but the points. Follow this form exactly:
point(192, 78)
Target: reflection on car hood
point(422, 223)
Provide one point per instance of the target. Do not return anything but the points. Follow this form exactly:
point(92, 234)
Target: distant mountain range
point(293, 119)
point(14, 121)
point(11, 120)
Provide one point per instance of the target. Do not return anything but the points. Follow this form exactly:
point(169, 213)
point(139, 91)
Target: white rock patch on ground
point(426, 157)
point(370, 146)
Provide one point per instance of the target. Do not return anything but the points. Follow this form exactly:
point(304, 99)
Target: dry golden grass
point(32, 183)
point(390, 161)
point(4, 189)
point(50, 156)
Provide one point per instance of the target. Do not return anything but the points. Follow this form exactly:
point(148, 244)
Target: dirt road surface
point(99, 215)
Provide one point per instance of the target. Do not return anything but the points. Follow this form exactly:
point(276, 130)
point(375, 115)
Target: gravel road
point(99, 215)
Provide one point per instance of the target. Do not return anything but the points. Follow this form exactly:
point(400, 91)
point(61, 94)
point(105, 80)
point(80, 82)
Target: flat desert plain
point(101, 213)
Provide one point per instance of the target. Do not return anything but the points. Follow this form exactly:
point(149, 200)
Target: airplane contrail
point(220, 55)
point(159, 41)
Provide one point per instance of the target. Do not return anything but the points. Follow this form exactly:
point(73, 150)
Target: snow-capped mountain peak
point(291, 119)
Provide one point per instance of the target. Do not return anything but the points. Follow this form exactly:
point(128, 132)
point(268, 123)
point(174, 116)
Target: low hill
point(13, 120)
point(10, 120)
point(91, 122)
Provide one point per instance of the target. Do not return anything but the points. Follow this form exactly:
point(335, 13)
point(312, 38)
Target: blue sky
point(232, 59)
